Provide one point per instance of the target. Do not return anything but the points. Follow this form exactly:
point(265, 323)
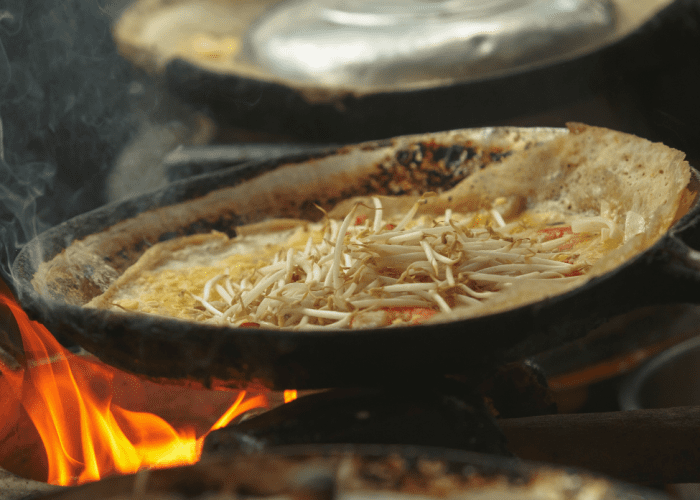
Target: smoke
point(66, 110)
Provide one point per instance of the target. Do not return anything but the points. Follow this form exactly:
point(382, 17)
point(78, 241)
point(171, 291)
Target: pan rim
point(170, 329)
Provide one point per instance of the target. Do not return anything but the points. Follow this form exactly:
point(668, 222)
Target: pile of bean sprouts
point(361, 266)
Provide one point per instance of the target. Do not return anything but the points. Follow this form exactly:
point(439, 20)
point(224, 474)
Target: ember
point(290, 395)
point(87, 436)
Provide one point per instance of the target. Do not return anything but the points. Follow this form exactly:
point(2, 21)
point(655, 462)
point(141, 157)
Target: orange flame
point(86, 436)
point(290, 395)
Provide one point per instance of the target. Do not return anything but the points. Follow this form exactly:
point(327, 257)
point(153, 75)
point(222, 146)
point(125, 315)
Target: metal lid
point(368, 43)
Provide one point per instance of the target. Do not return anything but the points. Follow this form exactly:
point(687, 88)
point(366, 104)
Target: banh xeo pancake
point(539, 222)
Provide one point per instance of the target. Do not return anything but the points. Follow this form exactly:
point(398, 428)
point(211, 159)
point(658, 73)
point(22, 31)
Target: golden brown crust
point(570, 175)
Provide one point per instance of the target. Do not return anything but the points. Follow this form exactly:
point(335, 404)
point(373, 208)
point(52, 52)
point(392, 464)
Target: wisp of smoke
point(65, 113)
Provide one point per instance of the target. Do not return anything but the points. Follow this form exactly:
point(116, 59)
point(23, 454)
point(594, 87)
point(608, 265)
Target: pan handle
point(647, 446)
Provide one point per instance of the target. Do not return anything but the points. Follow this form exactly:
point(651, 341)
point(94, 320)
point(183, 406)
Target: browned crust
point(570, 173)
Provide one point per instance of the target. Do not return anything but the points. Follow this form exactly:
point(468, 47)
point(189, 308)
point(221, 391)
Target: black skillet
point(102, 243)
point(634, 79)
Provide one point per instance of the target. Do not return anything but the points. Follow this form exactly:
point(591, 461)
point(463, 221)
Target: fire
point(87, 435)
point(290, 395)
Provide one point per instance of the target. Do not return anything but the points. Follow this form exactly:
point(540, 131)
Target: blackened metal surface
point(350, 117)
point(190, 161)
point(11, 349)
point(209, 355)
point(519, 390)
point(437, 412)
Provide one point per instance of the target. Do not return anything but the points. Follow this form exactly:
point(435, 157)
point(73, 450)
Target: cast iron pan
point(354, 116)
point(639, 80)
point(367, 471)
point(99, 245)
